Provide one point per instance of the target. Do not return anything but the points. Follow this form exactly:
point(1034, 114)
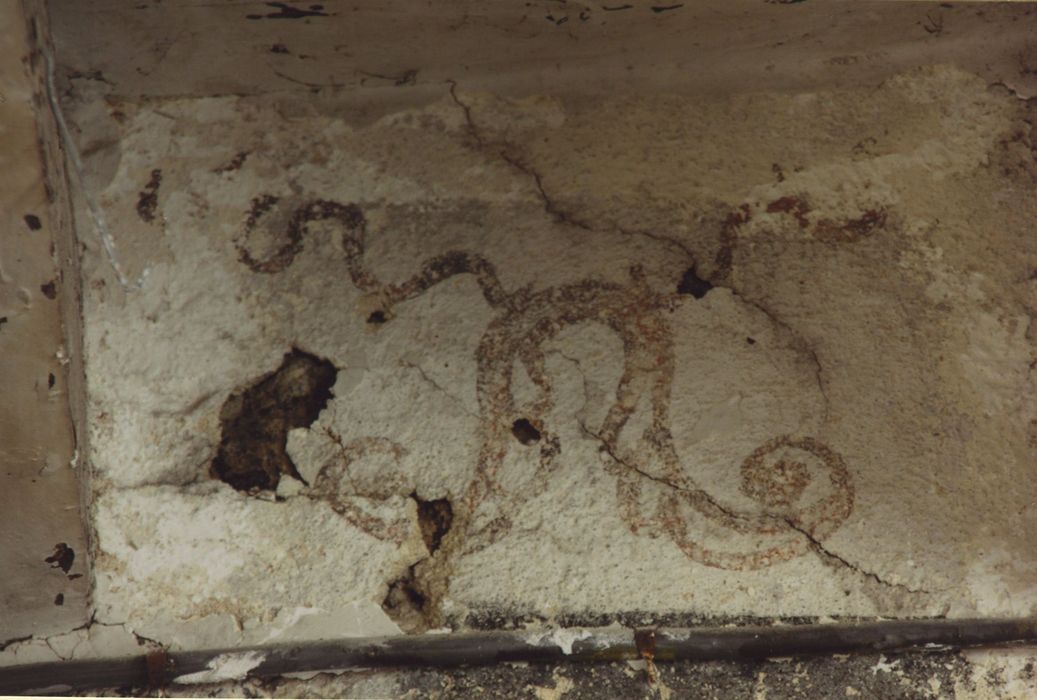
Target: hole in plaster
point(377, 317)
point(405, 604)
point(59, 599)
point(434, 518)
point(407, 601)
point(525, 432)
point(255, 421)
point(692, 284)
point(751, 341)
point(49, 290)
point(33, 222)
point(51, 380)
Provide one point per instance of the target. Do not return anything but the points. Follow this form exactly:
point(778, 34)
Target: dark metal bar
point(480, 648)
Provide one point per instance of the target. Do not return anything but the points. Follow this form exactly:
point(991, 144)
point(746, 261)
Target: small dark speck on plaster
point(49, 290)
point(51, 380)
point(666, 8)
point(525, 432)
point(377, 317)
point(59, 599)
point(33, 222)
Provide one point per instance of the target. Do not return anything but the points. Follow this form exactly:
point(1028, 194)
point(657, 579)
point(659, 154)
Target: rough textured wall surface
point(447, 353)
point(633, 344)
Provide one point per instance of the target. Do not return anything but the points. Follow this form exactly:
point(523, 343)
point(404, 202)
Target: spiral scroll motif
point(801, 488)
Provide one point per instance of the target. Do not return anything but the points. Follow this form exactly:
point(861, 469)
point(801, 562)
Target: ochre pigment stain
point(655, 494)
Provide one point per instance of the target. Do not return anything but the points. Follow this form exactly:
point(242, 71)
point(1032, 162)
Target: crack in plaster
point(14, 640)
point(551, 207)
point(816, 545)
point(569, 218)
point(86, 628)
point(582, 412)
point(804, 345)
point(665, 240)
point(435, 385)
point(827, 554)
point(501, 149)
point(660, 480)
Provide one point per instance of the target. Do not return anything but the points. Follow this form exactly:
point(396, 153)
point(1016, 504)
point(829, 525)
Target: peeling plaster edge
point(225, 667)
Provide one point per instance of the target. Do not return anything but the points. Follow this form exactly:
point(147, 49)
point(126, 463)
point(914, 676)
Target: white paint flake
point(225, 667)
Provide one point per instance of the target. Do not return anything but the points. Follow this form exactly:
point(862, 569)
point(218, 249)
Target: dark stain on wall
point(62, 558)
point(263, 213)
point(525, 432)
point(692, 284)
point(252, 454)
point(286, 11)
point(147, 199)
point(435, 518)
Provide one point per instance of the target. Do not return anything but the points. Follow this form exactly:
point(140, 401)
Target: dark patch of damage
point(694, 285)
point(408, 601)
point(147, 198)
point(252, 455)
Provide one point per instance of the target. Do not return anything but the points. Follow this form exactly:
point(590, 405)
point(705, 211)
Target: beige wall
point(39, 505)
